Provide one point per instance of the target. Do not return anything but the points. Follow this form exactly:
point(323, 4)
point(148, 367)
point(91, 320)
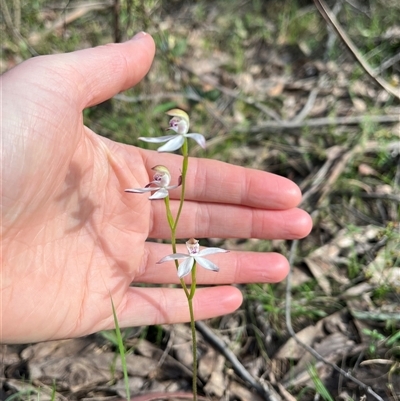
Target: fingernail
point(139, 35)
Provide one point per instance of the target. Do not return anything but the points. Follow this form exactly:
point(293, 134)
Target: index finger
point(218, 182)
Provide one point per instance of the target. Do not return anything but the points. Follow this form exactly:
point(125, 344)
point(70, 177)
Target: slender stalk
point(194, 348)
point(193, 285)
point(193, 328)
point(121, 348)
point(184, 286)
point(185, 164)
point(173, 224)
point(170, 218)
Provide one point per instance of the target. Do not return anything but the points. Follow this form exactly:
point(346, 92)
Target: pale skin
point(72, 238)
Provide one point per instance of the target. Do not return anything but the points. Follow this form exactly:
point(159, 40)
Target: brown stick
point(36, 37)
point(117, 29)
point(331, 19)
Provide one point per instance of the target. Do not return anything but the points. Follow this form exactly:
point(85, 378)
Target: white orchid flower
point(180, 124)
point(160, 184)
point(195, 255)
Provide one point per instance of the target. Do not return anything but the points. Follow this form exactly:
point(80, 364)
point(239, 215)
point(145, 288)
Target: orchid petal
point(173, 187)
point(206, 263)
point(158, 139)
point(174, 256)
point(185, 267)
point(210, 251)
point(173, 144)
point(198, 138)
point(140, 190)
point(160, 194)
point(157, 183)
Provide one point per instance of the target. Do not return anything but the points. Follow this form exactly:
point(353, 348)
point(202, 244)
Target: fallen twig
point(297, 122)
point(218, 343)
point(66, 19)
point(323, 181)
point(164, 396)
point(307, 107)
point(372, 195)
point(330, 17)
point(157, 97)
point(14, 31)
point(318, 122)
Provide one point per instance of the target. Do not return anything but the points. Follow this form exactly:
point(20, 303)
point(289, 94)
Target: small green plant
point(394, 340)
point(319, 385)
point(31, 391)
point(374, 339)
point(271, 302)
point(19, 396)
point(122, 353)
point(111, 336)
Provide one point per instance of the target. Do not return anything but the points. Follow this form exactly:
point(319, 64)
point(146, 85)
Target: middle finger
point(203, 220)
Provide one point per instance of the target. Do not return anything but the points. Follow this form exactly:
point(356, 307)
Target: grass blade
point(121, 349)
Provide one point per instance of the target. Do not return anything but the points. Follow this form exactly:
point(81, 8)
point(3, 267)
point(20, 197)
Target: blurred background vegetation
point(271, 87)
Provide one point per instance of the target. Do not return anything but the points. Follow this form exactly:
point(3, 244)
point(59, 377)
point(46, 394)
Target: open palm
point(71, 237)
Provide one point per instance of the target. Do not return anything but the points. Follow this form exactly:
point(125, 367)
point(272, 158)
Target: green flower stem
point(190, 295)
point(173, 224)
point(173, 239)
point(169, 214)
point(193, 285)
point(194, 347)
point(193, 328)
point(185, 164)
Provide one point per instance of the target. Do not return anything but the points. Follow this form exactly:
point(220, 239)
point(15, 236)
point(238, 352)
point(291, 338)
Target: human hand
point(72, 238)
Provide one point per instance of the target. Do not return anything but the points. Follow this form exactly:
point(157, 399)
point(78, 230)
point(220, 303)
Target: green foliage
point(319, 385)
point(33, 392)
point(272, 304)
point(21, 395)
point(374, 338)
point(122, 352)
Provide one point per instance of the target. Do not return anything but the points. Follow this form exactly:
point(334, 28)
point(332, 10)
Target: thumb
point(86, 77)
point(104, 71)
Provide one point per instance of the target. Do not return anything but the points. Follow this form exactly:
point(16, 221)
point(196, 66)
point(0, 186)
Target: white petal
point(210, 251)
point(206, 263)
point(160, 194)
point(174, 256)
point(185, 267)
point(140, 190)
point(172, 187)
point(158, 139)
point(198, 138)
point(172, 144)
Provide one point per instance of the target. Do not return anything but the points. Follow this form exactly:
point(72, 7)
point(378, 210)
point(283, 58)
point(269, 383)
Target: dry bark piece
point(31, 392)
point(182, 344)
point(165, 396)
point(241, 393)
point(216, 384)
point(207, 364)
point(333, 348)
point(292, 350)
